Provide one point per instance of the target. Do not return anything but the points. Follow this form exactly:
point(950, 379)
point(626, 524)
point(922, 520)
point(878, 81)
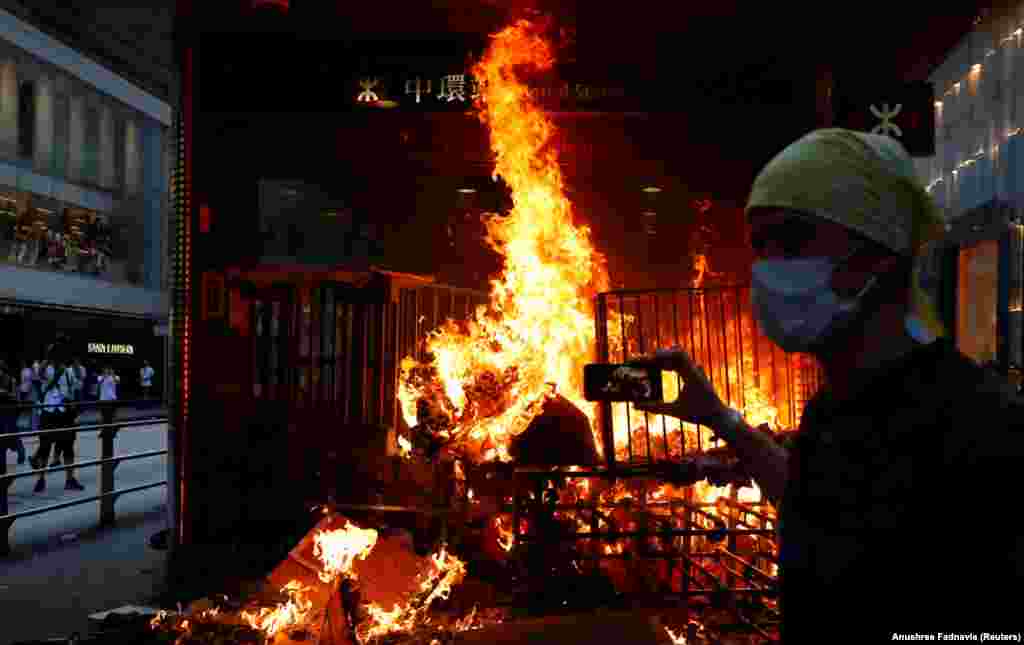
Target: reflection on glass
point(977, 290)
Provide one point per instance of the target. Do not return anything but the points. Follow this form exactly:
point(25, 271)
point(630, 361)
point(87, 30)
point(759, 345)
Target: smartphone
point(616, 382)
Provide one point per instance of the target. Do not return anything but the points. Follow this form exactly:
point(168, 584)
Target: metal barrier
point(716, 326)
point(108, 463)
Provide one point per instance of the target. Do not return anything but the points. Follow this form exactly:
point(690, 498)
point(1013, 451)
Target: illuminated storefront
point(976, 176)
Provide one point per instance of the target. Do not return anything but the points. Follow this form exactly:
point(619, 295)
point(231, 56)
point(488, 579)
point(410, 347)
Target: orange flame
point(339, 549)
point(538, 329)
point(445, 571)
point(292, 613)
point(506, 537)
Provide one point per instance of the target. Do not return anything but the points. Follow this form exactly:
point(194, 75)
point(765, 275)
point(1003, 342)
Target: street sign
point(903, 111)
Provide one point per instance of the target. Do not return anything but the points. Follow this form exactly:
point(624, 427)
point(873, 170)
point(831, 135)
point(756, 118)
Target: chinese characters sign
point(457, 92)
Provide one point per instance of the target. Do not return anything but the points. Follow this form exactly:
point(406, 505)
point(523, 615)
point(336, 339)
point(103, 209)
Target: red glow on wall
point(204, 219)
point(277, 4)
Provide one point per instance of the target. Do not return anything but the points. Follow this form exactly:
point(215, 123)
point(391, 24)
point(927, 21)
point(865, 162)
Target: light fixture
point(467, 191)
point(651, 189)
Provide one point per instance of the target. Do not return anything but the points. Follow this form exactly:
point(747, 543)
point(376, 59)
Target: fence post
point(5, 526)
point(107, 476)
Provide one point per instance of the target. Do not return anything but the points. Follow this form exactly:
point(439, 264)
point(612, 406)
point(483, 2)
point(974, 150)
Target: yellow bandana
point(867, 183)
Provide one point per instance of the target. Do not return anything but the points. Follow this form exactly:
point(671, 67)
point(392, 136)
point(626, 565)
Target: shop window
point(61, 132)
point(26, 119)
point(91, 151)
point(977, 302)
point(119, 152)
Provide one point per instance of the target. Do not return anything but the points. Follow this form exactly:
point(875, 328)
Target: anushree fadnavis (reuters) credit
point(979, 637)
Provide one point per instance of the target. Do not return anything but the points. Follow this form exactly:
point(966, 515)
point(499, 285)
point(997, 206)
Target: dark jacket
point(899, 514)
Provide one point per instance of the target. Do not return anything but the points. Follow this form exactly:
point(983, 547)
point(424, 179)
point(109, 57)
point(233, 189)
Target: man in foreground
point(896, 512)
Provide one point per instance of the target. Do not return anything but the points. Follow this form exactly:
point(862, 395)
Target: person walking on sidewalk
point(55, 415)
point(79, 372)
point(108, 393)
point(146, 378)
point(68, 385)
point(92, 383)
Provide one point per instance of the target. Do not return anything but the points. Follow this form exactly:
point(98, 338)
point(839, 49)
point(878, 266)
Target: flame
point(506, 537)
point(339, 549)
point(491, 375)
point(292, 613)
point(445, 571)
point(677, 639)
point(404, 447)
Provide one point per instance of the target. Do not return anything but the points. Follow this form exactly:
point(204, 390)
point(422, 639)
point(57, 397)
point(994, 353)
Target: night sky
point(725, 90)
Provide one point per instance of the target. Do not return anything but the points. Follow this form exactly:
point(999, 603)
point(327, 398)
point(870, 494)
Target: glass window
point(91, 151)
point(977, 291)
point(61, 125)
point(119, 152)
point(26, 119)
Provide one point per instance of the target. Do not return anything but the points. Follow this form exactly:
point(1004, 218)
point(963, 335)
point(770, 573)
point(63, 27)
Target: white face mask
point(794, 303)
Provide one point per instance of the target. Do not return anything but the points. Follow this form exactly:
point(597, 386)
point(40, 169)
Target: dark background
point(717, 91)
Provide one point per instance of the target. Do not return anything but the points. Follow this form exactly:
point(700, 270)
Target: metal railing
point(716, 326)
point(107, 462)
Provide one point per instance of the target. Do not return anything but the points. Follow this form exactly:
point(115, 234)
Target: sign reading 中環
point(457, 92)
point(110, 348)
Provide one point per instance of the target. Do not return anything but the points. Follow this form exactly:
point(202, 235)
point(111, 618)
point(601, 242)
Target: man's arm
point(765, 460)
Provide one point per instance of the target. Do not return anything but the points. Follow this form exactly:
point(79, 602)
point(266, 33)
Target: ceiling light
point(651, 189)
point(467, 191)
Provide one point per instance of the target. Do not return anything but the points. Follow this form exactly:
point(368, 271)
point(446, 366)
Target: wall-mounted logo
point(110, 348)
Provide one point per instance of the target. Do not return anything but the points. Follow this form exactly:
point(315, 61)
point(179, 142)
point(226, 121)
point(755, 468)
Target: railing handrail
point(82, 464)
point(114, 403)
point(88, 428)
point(107, 464)
point(39, 510)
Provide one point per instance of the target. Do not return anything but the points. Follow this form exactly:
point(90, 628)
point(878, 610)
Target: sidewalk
point(62, 567)
point(50, 594)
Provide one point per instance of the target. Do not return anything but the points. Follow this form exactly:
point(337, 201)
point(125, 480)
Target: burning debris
point(559, 435)
point(331, 605)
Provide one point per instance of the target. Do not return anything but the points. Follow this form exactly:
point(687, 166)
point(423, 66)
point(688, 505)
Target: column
point(8, 109)
point(43, 151)
point(132, 157)
point(76, 137)
point(108, 174)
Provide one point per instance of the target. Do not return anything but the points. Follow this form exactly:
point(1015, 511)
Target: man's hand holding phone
point(697, 402)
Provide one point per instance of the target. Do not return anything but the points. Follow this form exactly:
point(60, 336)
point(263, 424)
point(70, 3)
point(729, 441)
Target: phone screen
point(612, 382)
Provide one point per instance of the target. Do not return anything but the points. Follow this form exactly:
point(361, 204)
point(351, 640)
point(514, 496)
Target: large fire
point(489, 378)
point(337, 551)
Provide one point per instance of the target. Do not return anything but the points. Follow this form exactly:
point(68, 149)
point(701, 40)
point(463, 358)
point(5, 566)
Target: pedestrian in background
point(108, 394)
point(9, 414)
point(55, 415)
point(80, 374)
point(146, 378)
point(27, 393)
point(37, 393)
point(92, 383)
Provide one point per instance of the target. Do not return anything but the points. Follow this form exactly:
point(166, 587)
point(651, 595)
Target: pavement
point(62, 566)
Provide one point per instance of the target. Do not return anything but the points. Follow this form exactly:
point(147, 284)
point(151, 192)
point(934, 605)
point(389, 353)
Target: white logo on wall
point(110, 348)
point(887, 115)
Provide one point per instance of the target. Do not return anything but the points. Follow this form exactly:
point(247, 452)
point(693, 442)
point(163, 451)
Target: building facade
point(84, 186)
point(977, 178)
